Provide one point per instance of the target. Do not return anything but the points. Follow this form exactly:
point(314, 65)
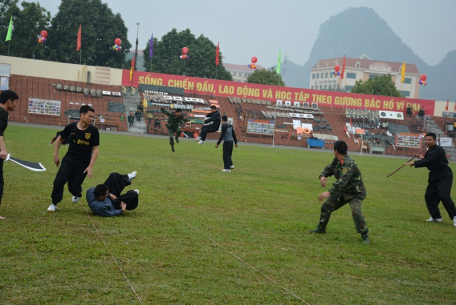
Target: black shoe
point(177, 139)
point(365, 239)
point(172, 148)
point(318, 230)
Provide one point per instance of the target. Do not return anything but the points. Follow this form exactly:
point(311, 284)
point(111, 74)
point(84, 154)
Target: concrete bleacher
point(54, 89)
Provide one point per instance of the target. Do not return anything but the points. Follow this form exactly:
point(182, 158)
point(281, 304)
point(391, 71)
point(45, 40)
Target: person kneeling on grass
point(105, 199)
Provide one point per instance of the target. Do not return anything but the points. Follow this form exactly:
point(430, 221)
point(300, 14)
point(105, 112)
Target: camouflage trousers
point(171, 132)
point(332, 203)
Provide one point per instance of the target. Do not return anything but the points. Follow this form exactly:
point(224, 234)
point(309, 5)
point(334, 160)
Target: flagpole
point(9, 46)
point(80, 55)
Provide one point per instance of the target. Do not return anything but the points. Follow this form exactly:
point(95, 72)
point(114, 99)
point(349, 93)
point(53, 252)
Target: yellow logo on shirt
point(87, 135)
point(345, 170)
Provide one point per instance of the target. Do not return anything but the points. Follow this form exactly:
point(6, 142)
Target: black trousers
point(207, 129)
point(116, 184)
point(2, 182)
point(439, 190)
point(71, 171)
point(227, 153)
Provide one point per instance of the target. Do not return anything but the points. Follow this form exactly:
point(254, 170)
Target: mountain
point(361, 30)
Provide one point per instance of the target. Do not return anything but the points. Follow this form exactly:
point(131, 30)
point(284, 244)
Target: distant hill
point(361, 30)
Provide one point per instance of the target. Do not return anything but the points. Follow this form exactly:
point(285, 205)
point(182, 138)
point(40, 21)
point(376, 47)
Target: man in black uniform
point(440, 179)
point(79, 159)
point(211, 124)
point(8, 102)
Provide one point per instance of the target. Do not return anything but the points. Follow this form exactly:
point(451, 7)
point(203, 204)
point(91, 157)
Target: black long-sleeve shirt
point(215, 119)
point(435, 160)
point(3, 120)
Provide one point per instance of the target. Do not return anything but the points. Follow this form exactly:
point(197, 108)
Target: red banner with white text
point(204, 86)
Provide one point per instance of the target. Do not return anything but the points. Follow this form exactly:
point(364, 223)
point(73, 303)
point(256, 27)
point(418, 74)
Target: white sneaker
point(454, 220)
point(226, 170)
point(52, 208)
point(75, 199)
point(232, 166)
point(436, 220)
point(132, 175)
point(201, 142)
point(137, 191)
point(198, 139)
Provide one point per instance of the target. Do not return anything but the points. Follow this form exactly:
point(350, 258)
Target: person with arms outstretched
point(174, 131)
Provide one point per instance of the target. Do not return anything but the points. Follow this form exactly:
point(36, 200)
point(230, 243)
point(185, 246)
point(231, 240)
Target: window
point(325, 87)
point(407, 81)
point(313, 75)
point(351, 75)
point(358, 65)
point(330, 75)
point(311, 87)
point(327, 64)
point(318, 75)
point(371, 76)
point(336, 63)
point(348, 88)
point(321, 87)
point(329, 87)
point(321, 75)
point(326, 75)
point(405, 93)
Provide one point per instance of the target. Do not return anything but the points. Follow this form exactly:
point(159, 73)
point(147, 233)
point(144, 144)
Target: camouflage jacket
point(173, 120)
point(349, 179)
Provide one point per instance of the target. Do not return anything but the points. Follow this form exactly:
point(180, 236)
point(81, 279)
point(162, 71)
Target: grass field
point(201, 236)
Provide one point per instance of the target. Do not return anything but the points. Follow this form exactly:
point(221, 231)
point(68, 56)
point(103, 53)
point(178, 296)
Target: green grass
point(201, 236)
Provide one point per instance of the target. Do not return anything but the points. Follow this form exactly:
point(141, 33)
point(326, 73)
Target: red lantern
point(44, 33)
point(118, 41)
point(184, 50)
point(254, 59)
point(423, 77)
point(337, 68)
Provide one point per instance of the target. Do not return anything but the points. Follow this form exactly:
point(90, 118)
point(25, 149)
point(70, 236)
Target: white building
point(240, 72)
point(363, 68)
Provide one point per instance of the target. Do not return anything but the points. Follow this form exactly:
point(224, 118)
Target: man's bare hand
point(419, 156)
point(113, 197)
point(123, 206)
point(323, 196)
point(3, 154)
point(323, 181)
point(216, 145)
point(56, 161)
point(88, 170)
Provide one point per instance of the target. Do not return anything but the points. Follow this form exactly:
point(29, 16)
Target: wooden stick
point(406, 162)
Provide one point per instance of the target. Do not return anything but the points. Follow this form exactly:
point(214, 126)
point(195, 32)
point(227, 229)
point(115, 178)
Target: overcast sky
point(247, 28)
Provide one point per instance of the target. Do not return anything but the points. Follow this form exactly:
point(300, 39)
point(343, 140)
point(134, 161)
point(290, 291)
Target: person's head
point(340, 148)
point(9, 99)
point(178, 112)
point(224, 118)
point(213, 108)
point(131, 112)
point(101, 192)
point(430, 139)
point(87, 114)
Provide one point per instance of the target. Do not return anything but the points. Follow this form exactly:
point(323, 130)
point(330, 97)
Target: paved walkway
point(132, 134)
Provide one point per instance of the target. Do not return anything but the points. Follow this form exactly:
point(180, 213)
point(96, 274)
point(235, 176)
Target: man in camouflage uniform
point(174, 120)
point(349, 188)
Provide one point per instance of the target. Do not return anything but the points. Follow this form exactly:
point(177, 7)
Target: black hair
point(100, 190)
point(431, 134)
point(178, 110)
point(341, 147)
point(224, 118)
point(214, 107)
point(86, 108)
point(8, 95)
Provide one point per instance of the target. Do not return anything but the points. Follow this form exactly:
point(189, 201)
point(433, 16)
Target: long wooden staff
point(406, 162)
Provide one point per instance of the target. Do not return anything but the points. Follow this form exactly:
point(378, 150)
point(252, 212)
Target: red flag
point(343, 69)
point(454, 110)
point(217, 51)
point(78, 42)
point(446, 107)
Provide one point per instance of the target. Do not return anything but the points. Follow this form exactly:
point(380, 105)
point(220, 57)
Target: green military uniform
point(173, 126)
point(131, 120)
point(349, 188)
